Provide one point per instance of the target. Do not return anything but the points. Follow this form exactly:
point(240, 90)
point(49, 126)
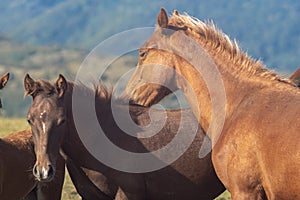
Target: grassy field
point(69, 193)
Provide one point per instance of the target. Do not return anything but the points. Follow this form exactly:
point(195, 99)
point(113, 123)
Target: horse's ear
point(162, 18)
point(295, 77)
point(61, 85)
point(3, 80)
point(29, 85)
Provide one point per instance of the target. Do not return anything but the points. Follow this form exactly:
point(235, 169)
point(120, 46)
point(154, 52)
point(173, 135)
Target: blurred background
point(47, 37)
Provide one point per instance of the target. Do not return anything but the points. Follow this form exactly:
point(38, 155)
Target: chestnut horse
point(256, 154)
point(53, 126)
point(16, 160)
point(295, 77)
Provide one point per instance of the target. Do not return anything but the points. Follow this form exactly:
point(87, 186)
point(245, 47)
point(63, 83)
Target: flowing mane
point(209, 35)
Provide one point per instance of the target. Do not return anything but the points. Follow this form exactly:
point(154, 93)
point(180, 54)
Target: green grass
point(12, 125)
point(224, 196)
point(69, 193)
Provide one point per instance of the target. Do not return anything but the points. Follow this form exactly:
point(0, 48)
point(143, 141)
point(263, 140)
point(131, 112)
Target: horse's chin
point(141, 99)
point(47, 180)
point(147, 94)
point(143, 102)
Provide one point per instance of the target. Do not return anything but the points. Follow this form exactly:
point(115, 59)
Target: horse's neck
point(73, 146)
point(75, 150)
point(199, 96)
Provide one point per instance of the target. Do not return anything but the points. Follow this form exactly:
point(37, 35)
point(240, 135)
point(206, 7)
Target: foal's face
point(155, 75)
point(47, 118)
point(3, 81)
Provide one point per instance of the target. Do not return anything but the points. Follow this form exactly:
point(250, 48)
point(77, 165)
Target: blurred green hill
point(47, 37)
point(45, 62)
point(267, 29)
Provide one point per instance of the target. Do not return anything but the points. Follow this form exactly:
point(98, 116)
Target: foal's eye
point(29, 121)
point(61, 122)
point(49, 94)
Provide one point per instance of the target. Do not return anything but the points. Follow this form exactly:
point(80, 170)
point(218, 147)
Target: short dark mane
point(100, 91)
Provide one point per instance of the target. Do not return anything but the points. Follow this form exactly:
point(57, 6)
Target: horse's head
point(3, 81)
point(47, 117)
point(155, 75)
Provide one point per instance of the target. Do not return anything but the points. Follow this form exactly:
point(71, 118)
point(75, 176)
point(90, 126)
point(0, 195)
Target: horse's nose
point(35, 172)
point(47, 173)
point(43, 173)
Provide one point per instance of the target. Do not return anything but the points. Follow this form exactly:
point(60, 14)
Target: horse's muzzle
point(43, 174)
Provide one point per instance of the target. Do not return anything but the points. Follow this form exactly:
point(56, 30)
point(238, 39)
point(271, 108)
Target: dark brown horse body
point(89, 184)
point(16, 161)
point(257, 154)
point(187, 178)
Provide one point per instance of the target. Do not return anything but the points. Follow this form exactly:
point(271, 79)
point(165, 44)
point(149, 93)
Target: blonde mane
point(210, 35)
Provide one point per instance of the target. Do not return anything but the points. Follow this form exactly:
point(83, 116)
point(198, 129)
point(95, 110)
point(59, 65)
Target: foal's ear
point(61, 85)
point(162, 18)
point(3, 80)
point(29, 85)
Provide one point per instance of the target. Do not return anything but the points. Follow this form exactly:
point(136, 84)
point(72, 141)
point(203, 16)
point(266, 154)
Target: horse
point(295, 77)
point(51, 119)
point(16, 179)
point(3, 80)
point(88, 183)
point(16, 160)
point(256, 148)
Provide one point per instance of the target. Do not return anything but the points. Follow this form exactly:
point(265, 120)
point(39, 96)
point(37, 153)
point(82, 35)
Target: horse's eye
point(49, 94)
point(61, 122)
point(142, 54)
point(29, 121)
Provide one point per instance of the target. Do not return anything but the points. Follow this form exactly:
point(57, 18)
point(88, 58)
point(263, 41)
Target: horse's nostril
point(43, 173)
point(50, 171)
point(35, 171)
